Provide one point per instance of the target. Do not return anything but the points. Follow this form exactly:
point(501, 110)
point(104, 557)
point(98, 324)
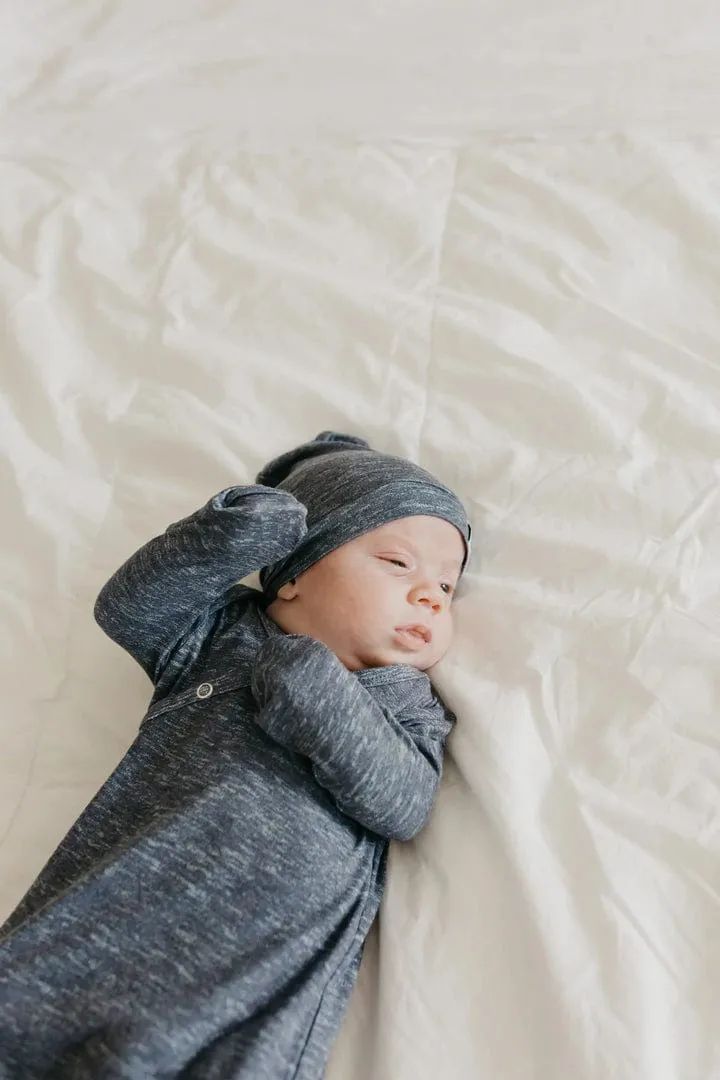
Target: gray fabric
point(349, 489)
point(205, 916)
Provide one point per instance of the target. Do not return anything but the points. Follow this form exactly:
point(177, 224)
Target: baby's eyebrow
point(395, 538)
point(451, 565)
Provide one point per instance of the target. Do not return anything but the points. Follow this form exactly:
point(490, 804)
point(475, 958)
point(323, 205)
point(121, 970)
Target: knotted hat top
point(350, 489)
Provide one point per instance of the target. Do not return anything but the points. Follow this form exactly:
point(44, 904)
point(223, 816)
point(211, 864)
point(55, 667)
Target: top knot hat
point(350, 489)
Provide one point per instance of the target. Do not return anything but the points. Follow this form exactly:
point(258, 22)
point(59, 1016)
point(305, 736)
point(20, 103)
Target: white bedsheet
point(225, 227)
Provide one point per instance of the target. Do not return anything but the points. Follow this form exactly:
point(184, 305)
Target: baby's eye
point(447, 589)
point(395, 561)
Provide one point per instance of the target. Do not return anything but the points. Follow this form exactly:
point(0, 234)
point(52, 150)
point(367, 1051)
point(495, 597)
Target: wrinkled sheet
point(224, 228)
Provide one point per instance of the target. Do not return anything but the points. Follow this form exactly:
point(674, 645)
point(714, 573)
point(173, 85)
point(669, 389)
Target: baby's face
point(362, 599)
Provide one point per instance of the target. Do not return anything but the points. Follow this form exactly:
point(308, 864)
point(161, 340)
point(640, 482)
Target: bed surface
point(224, 228)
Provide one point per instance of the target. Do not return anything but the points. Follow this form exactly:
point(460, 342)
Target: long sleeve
point(156, 595)
point(375, 738)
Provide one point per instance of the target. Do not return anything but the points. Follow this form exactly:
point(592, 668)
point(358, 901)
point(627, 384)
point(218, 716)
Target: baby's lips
point(415, 635)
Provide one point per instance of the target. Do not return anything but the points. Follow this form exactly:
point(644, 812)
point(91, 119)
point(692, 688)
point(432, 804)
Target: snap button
point(205, 689)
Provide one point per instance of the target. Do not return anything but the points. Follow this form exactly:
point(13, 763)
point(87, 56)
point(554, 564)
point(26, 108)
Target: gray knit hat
point(350, 489)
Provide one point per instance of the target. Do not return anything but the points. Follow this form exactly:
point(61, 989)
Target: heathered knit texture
point(205, 916)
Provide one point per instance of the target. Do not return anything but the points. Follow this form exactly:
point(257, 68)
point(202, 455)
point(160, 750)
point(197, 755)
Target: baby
point(206, 914)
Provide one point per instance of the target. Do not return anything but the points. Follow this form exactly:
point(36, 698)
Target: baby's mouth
point(414, 636)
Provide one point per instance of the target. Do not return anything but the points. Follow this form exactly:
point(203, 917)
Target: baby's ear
point(288, 591)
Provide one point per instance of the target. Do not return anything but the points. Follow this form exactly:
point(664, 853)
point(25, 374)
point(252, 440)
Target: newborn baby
point(206, 914)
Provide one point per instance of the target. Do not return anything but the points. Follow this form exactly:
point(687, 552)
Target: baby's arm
point(155, 596)
point(382, 772)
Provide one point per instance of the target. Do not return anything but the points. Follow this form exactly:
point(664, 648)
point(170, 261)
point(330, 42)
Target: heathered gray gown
point(205, 916)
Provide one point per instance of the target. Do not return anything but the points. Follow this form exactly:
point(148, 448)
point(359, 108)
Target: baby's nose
point(428, 597)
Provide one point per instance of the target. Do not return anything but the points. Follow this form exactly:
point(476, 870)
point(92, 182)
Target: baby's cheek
point(444, 639)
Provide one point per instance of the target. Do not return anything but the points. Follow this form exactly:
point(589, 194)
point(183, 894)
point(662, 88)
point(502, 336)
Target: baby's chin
point(387, 657)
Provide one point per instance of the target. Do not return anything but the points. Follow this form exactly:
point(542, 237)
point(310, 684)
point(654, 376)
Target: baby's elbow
point(108, 612)
point(110, 617)
point(101, 610)
point(411, 821)
point(404, 833)
point(390, 822)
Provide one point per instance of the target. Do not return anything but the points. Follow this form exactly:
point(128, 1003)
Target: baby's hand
point(277, 516)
